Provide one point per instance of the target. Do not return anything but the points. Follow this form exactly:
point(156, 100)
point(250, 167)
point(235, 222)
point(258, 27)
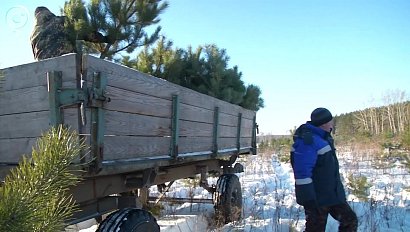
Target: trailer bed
point(141, 130)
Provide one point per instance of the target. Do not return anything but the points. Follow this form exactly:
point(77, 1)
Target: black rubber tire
point(129, 220)
point(228, 199)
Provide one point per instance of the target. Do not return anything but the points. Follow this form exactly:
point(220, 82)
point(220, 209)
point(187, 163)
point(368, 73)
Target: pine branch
point(34, 196)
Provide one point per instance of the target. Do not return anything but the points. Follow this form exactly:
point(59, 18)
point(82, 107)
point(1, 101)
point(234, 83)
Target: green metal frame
point(215, 134)
point(59, 97)
point(93, 97)
point(254, 131)
point(175, 127)
point(238, 134)
point(97, 120)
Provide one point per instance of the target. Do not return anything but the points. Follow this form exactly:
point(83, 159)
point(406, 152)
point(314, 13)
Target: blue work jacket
point(316, 168)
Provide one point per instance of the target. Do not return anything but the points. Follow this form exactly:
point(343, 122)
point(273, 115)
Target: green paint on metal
point(175, 127)
point(54, 83)
point(254, 128)
point(60, 97)
point(71, 96)
point(238, 134)
point(215, 132)
point(97, 99)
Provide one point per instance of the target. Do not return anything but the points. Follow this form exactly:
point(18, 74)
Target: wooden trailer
point(141, 130)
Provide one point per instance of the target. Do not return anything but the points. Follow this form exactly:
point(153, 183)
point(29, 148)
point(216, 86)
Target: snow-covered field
point(269, 203)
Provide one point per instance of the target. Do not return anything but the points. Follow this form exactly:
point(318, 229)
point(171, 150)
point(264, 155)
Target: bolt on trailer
point(141, 131)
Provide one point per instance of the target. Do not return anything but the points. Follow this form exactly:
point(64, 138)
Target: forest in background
point(388, 125)
point(383, 130)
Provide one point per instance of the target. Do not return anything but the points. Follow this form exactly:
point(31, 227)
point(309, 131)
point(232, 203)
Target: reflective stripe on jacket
point(315, 167)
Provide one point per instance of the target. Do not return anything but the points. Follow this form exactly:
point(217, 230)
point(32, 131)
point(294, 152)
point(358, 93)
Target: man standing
point(318, 185)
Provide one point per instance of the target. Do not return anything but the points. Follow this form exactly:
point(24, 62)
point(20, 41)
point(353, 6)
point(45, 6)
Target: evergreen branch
point(34, 196)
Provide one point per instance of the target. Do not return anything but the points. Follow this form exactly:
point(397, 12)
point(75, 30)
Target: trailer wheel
point(228, 199)
point(129, 220)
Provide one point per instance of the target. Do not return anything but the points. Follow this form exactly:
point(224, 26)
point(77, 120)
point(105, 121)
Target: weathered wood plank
point(132, 80)
point(120, 126)
point(198, 129)
point(12, 150)
point(27, 99)
point(137, 103)
point(132, 102)
point(119, 123)
point(197, 144)
point(23, 125)
point(247, 123)
point(196, 114)
point(132, 147)
point(24, 100)
point(128, 147)
point(227, 132)
point(34, 74)
point(32, 124)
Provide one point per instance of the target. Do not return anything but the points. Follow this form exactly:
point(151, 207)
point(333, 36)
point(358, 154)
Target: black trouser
point(316, 218)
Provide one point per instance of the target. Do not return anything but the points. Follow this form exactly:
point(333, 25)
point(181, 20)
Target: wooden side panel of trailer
point(138, 119)
point(140, 111)
point(24, 105)
point(141, 130)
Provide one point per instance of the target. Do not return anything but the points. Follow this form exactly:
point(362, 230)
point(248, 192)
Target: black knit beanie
point(320, 116)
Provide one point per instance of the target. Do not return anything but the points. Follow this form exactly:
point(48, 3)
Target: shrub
point(359, 186)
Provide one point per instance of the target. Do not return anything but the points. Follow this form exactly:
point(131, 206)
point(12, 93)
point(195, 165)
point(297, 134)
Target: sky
point(343, 55)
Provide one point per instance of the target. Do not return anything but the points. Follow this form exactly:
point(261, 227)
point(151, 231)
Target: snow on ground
point(269, 204)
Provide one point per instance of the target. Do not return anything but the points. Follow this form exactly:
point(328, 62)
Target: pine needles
point(35, 195)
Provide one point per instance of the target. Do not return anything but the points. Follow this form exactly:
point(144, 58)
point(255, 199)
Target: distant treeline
point(381, 127)
point(388, 124)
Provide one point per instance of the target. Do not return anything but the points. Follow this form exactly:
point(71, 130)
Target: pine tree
point(204, 69)
point(34, 196)
point(252, 99)
point(359, 186)
point(121, 22)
